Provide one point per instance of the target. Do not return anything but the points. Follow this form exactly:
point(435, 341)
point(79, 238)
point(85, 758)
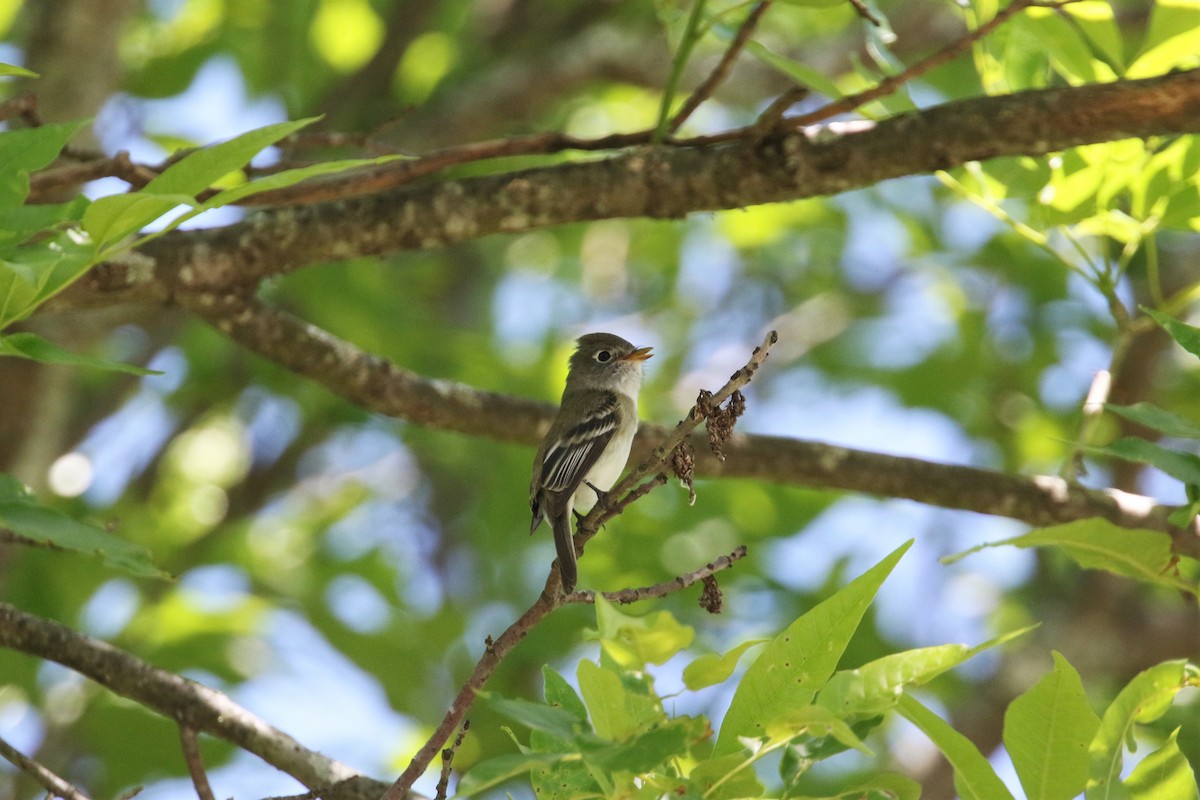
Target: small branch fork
point(552, 597)
point(627, 596)
point(372, 179)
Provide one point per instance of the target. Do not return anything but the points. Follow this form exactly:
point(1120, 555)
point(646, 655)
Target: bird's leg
point(601, 500)
point(601, 495)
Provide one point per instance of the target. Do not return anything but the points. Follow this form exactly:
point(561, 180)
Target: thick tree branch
point(379, 385)
point(732, 170)
point(196, 707)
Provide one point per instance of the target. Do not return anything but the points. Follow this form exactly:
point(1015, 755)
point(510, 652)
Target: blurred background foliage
point(338, 572)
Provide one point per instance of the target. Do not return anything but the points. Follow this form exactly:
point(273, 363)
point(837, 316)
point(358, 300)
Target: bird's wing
point(573, 453)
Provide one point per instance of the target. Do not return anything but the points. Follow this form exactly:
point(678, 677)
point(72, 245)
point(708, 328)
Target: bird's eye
point(604, 356)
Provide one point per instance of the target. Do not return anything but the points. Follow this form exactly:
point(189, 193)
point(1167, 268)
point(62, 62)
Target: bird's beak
point(641, 354)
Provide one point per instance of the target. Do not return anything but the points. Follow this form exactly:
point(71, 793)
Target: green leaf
point(713, 668)
point(495, 771)
point(1069, 51)
point(795, 664)
point(1185, 335)
point(1172, 39)
point(198, 170)
point(725, 777)
point(278, 180)
point(32, 275)
point(35, 348)
point(800, 73)
point(974, 777)
point(1161, 420)
point(635, 642)
point(18, 223)
point(1144, 699)
point(876, 686)
point(1096, 543)
point(1176, 463)
point(1096, 20)
point(1164, 774)
point(12, 70)
point(536, 716)
point(110, 219)
point(560, 694)
point(617, 711)
point(28, 149)
point(817, 722)
point(21, 513)
point(884, 786)
point(1047, 731)
point(564, 780)
point(642, 753)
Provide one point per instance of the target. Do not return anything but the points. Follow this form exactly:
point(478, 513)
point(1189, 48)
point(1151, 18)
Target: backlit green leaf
point(794, 665)
point(1144, 699)
point(42, 525)
point(974, 777)
point(1176, 463)
point(1047, 731)
point(1165, 774)
point(1158, 419)
point(27, 149)
point(1096, 543)
point(198, 170)
point(713, 668)
point(35, 348)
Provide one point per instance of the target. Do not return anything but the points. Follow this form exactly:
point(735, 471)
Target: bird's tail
point(565, 544)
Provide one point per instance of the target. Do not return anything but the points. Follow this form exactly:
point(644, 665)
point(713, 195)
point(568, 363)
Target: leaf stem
point(686, 44)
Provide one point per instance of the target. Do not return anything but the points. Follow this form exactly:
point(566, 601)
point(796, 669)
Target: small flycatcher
point(588, 443)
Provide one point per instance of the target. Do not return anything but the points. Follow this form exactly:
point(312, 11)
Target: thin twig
point(448, 761)
point(195, 764)
point(53, 784)
point(74, 174)
point(627, 596)
point(492, 655)
point(721, 71)
point(948, 53)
